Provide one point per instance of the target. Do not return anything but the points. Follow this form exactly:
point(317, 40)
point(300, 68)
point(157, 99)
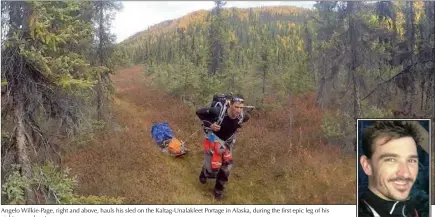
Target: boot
point(202, 177)
point(218, 195)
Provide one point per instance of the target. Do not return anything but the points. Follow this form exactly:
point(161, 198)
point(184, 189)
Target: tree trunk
point(410, 90)
point(18, 21)
point(321, 85)
point(100, 59)
point(22, 152)
point(353, 65)
point(422, 104)
point(233, 82)
point(99, 98)
point(394, 59)
point(264, 83)
point(185, 84)
point(309, 49)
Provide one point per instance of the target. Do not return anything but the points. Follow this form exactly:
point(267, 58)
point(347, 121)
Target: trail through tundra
point(125, 162)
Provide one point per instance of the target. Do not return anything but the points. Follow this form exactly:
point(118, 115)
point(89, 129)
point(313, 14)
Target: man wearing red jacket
point(221, 126)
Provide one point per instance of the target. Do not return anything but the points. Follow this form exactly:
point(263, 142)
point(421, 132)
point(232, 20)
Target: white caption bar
point(179, 210)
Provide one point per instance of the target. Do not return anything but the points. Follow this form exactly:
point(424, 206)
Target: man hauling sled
point(220, 122)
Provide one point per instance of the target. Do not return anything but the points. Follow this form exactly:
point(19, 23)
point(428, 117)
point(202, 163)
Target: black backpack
point(222, 101)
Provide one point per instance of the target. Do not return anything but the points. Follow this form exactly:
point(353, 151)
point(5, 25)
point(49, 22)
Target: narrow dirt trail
point(125, 162)
point(272, 163)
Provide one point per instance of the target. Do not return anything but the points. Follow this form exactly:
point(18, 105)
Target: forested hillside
point(308, 72)
point(353, 55)
point(182, 53)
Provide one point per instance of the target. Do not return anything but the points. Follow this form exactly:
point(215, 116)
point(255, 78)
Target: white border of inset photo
point(428, 138)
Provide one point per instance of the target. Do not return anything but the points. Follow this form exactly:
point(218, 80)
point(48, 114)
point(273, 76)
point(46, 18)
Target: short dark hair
point(388, 130)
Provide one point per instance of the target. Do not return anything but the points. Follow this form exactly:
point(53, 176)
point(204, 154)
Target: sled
point(166, 141)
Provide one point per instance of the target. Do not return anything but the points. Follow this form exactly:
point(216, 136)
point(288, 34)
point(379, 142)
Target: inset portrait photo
point(393, 162)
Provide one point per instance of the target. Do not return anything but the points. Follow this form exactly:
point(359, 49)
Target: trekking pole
point(249, 108)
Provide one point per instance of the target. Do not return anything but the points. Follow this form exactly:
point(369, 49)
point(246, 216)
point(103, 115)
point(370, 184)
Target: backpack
point(161, 132)
point(222, 101)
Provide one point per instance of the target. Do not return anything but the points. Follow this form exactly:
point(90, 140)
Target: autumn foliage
point(275, 162)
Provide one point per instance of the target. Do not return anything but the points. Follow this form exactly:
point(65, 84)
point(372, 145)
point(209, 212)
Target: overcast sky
point(137, 16)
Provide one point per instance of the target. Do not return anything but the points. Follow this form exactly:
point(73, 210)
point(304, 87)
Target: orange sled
point(174, 147)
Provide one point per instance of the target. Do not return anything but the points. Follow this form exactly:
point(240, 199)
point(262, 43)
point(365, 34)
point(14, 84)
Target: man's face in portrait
point(393, 168)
